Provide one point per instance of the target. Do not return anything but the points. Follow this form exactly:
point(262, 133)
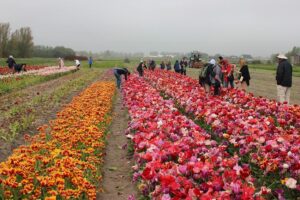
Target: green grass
point(272, 67)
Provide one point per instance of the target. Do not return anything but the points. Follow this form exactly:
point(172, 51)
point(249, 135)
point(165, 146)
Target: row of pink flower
point(176, 159)
point(270, 147)
point(45, 71)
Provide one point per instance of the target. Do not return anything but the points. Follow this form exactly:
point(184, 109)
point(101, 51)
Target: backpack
point(203, 71)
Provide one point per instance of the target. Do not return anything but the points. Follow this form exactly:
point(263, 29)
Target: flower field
point(63, 161)
point(236, 146)
point(36, 70)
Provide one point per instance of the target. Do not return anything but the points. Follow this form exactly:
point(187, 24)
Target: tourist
point(284, 79)
point(244, 74)
point(205, 76)
point(162, 65)
point(140, 68)
point(183, 65)
point(216, 76)
point(118, 72)
point(227, 72)
point(90, 61)
point(169, 65)
point(77, 63)
point(177, 67)
point(60, 63)
point(11, 62)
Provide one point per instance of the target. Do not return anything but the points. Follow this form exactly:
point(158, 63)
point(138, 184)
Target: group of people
point(179, 67)
point(223, 74)
point(77, 62)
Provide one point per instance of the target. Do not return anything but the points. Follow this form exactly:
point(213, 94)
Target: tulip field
point(188, 146)
point(176, 142)
point(63, 160)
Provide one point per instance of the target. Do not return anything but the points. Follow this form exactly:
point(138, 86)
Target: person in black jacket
point(11, 62)
point(140, 68)
point(284, 78)
point(244, 74)
point(118, 72)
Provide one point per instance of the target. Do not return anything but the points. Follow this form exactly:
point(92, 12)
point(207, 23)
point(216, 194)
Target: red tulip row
point(176, 159)
point(6, 70)
point(252, 134)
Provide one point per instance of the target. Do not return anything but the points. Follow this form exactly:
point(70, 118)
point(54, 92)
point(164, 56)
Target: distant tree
point(4, 38)
point(61, 51)
point(21, 43)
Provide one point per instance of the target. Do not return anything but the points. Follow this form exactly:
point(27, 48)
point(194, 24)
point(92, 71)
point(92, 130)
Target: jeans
point(217, 88)
point(141, 73)
point(118, 77)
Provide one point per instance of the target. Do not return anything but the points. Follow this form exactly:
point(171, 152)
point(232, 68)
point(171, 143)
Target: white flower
point(159, 123)
point(285, 166)
point(291, 183)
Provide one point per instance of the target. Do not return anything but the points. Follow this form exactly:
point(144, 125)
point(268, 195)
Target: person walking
point(244, 74)
point(216, 76)
point(90, 61)
point(10, 62)
point(284, 79)
point(140, 68)
point(118, 72)
point(177, 67)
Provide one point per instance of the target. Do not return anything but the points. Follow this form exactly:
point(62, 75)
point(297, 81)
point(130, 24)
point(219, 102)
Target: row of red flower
point(248, 130)
point(176, 159)
point(6, 70)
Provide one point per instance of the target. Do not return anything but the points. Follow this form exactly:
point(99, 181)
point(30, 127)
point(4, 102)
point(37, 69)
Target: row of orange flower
point(63, 160)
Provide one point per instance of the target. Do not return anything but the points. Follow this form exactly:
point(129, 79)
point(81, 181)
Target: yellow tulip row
point(62, 161)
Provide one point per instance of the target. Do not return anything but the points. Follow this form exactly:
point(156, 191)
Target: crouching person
point(118, 72)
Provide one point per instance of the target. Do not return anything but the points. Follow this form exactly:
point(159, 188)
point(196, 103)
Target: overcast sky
point(258, 27)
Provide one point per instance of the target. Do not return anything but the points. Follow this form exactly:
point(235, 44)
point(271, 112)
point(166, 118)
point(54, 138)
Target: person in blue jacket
point(118, 72)
point(90, 61)
point(177, 67)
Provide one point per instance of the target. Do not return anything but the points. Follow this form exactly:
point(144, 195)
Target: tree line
point(19, 43)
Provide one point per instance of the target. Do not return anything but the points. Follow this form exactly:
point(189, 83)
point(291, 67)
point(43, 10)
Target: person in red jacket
point(227, 71)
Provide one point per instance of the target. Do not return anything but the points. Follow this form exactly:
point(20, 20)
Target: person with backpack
point(215, 75)
point(205, 77)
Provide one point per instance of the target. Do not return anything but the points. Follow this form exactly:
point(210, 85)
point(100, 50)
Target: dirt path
point(116, 181)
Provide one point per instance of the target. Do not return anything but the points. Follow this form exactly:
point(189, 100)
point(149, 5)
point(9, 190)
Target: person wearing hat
point(11, 62)
point(284, 79)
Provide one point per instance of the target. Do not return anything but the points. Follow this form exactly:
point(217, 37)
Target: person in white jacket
point(77, 63)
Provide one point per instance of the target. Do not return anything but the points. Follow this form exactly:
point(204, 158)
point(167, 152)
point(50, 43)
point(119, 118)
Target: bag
point(241, 79)
point(203, 72)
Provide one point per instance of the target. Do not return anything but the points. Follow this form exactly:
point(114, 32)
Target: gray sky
point(258, 27)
